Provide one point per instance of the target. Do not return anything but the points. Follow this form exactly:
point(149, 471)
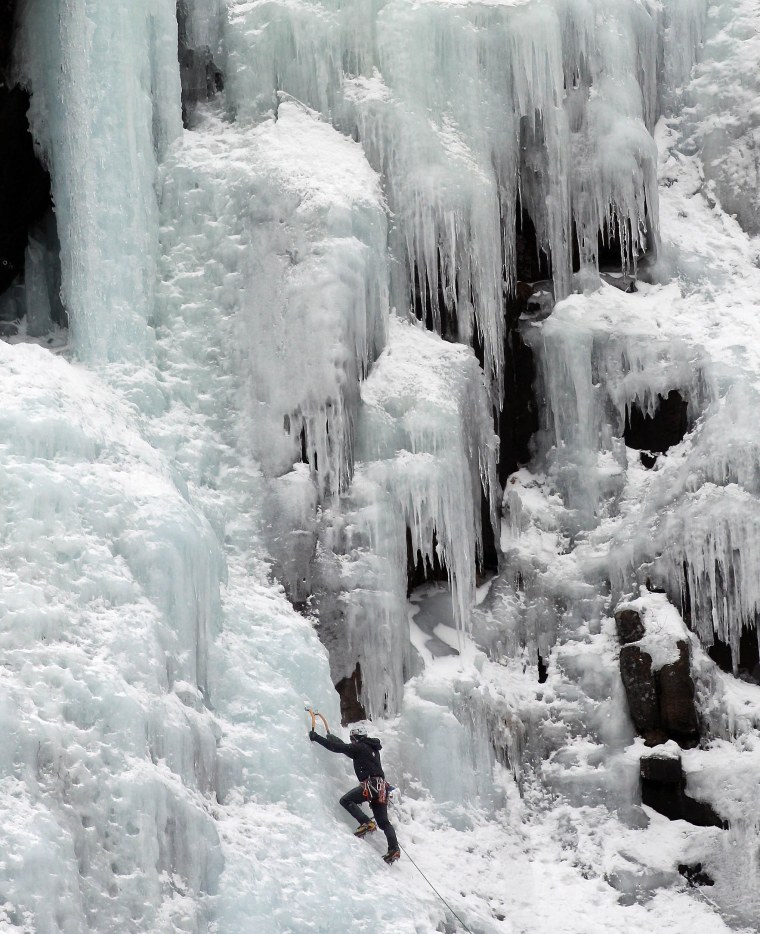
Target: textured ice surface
point(110, 597)
point(469, 110)
point(426, 455)
point(105, 105)
point(721, 114)
point(156, 773)
point(277, 232)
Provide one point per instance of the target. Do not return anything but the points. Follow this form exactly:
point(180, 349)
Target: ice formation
point(290, 325)
point(101, 137)
point(554, 117)
point(426, 452)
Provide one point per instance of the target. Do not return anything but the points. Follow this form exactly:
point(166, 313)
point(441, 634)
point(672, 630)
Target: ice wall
point(110, 600)
point(469, 112)
point(105, 105)
point(278, 233)
point(720, 116)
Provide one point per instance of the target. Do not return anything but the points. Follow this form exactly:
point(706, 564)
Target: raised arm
point(333, 743)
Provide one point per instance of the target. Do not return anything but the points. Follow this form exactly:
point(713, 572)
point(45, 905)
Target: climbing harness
point(314, 714)
point(375, 789)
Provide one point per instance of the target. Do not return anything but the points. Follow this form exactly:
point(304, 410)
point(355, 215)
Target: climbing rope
point(435, 889)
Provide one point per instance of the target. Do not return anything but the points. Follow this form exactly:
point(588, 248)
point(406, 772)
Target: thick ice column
point(105, 104)
point(109, 595)
point(275, 242)
point(426, 452)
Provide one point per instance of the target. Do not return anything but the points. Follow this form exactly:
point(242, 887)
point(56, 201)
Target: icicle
point(105, 101)
point(465, 110)
point(426, 448)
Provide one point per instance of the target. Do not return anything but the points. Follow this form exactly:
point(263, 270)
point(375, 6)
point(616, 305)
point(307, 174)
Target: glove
point(312, 735)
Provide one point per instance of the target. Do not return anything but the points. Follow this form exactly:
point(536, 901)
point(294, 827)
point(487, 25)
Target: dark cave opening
point(656, 434)
point(420, 570)
point(27, 217)
point(518, 419)
point(532, 263)
point(425, 309)
point(748, 663)
point(200, 77)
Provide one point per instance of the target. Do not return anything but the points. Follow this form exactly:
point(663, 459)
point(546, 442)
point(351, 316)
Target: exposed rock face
point(663, 787)
point(676, 699)
point(661, 702)
point(349, 690)
point(629, 626)
point(641, 691)
point(694, 874)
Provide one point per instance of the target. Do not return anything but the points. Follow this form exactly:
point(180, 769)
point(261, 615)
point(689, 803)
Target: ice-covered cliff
point(399, 356)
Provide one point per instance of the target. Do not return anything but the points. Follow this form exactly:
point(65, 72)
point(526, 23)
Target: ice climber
point(364, 750)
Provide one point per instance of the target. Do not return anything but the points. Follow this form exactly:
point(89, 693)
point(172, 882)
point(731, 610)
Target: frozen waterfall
point(398, 357)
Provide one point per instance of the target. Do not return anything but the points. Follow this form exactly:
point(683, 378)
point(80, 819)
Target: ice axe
point(314, 714)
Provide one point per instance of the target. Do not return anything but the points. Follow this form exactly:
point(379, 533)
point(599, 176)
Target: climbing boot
point(392, 855)
point(367, 827)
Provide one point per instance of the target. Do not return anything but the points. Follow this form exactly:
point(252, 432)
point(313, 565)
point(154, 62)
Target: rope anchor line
point(435, 890)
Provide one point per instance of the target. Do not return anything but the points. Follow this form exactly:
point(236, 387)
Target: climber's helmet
point(357, 733)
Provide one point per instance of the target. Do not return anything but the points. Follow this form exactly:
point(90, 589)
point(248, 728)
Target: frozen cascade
point(110, 600)
point(426, 454)
point(592, 373)
point(156, 775)
point(286, 222)
point(698, 532)
point(720, 116)
point(93, 133)
point(457, 156)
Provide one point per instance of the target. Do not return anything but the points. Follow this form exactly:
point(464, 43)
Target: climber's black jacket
point(365, 753)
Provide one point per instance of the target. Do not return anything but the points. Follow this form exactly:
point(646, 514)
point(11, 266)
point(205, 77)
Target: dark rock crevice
point(200, 76)
point(7, 31)
point(655, 434)
point(421, 570)
point(24, 184)
point(350, 690)
point(26, 206)
point(518, 419)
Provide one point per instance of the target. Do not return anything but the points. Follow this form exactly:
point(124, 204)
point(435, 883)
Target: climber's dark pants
point(351, 801)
